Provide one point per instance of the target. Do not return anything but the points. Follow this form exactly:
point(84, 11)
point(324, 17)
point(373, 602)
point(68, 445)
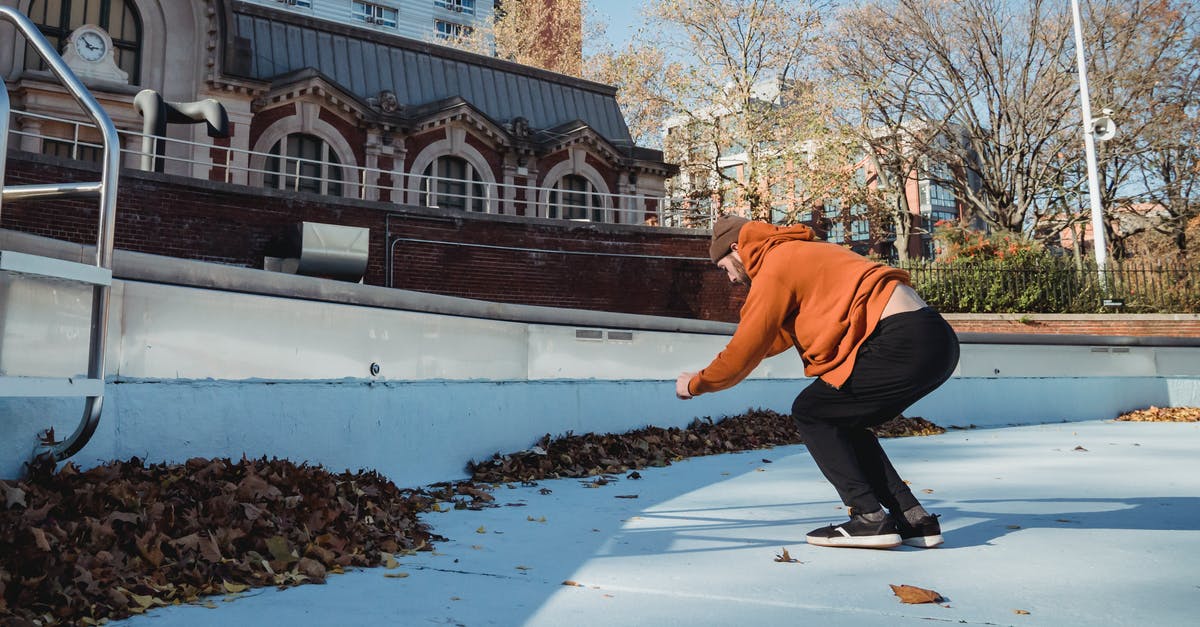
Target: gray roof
point(268, 43)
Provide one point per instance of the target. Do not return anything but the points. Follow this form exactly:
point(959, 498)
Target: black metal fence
point(1057, 286)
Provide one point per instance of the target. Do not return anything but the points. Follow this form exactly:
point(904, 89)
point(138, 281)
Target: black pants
point(908, 356)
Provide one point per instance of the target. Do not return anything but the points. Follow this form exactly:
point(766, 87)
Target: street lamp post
point(1089, 147)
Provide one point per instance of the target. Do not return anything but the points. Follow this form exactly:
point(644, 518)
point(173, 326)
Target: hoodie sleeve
point(759, 335)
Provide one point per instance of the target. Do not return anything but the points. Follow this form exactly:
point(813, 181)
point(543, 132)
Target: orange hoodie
point(819, 297)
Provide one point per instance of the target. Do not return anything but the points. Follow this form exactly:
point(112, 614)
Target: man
point(874, 345)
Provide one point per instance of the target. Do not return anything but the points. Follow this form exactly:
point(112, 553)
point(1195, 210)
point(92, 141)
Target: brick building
point(338, 108)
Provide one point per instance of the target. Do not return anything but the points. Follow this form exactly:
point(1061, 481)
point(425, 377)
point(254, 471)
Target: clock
point(89, 54)
point(91, 44)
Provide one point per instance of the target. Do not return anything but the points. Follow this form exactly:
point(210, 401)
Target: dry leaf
point(395, 575)
point(627, 496)
point(1024, 612)
point(39, 538)
point(572, 583)
point(913, 594)
point(312, 569)
point(927, 491)
point(481, 529)
point(234, 588)
point(1080, 448)
point(12, 496)
point(524, 568)
point(279, 549)
point(785, 557)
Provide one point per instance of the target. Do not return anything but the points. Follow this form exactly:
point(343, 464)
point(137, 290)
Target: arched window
point(574, 197)
point(452, 183)
point(57, 19)
point(303, 162)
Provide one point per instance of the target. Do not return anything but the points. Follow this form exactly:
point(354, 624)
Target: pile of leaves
point(80, 547)
point(1163, 414)
point(119, 539)
point(901, 427)
point(599, 454)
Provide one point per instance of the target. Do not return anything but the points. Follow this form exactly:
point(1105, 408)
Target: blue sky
point(623, 17)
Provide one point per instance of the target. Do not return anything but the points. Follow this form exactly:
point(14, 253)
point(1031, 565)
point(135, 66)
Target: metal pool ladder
point(98, 275)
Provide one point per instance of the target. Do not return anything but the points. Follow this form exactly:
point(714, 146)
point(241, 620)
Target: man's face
point(732, 265)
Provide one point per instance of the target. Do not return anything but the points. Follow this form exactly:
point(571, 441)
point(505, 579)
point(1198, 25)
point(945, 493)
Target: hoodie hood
point(757, 238)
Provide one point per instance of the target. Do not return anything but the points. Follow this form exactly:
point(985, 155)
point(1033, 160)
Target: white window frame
point(432, 181)
point(374, 14)
point(466, 7)
point(322, 163)
point(576, 163)
point(458, 30)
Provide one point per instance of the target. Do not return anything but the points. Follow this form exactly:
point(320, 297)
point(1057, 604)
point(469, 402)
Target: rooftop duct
point(323, 250)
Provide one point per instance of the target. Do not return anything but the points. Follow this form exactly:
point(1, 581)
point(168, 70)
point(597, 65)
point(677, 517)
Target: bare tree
point(1144, 58)
point(728, 79)
point(642, 74)
point(989, 82)
point(883, 108)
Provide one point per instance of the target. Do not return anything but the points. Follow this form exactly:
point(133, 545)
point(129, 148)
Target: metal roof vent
point(329, 251)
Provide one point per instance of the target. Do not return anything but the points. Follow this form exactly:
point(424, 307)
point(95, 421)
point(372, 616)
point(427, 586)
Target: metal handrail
point(107, 191)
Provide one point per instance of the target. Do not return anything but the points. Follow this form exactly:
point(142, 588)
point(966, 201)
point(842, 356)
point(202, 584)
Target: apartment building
point(416, 19)
point(715, 170)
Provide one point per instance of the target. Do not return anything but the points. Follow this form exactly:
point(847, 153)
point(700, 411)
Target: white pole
point(1089, 147)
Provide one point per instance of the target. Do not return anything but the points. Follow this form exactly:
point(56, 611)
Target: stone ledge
point(1140, 325)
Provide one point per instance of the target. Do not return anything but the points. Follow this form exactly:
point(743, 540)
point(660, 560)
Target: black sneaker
point(927, 533)
point(858, 532)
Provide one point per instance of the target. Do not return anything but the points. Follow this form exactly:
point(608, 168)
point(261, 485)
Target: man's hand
point(681, 385)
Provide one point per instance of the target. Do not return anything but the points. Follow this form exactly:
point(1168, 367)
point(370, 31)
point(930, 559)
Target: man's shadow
point(991, 519)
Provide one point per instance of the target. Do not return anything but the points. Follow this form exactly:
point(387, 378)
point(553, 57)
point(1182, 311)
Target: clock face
point(90, 45)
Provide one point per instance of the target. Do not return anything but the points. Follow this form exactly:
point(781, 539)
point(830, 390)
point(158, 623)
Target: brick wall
point(599, 268)
point(213, 221)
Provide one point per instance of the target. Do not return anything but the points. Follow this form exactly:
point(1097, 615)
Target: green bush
point(1004, 273)
point(1021, 284)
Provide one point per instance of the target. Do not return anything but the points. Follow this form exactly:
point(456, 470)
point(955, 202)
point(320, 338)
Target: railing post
point(109, 172)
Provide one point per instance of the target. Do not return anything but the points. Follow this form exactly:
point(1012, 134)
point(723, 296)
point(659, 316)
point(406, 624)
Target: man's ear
point(733, 246)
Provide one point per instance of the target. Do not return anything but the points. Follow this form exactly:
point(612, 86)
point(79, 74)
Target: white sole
point(886, 541)
point(925, 542)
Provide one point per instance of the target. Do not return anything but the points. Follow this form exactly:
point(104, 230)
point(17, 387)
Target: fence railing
point(1057, 286)
point(235, 165)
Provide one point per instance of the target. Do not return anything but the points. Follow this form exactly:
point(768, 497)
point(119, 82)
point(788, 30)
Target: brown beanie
point(724, 235)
